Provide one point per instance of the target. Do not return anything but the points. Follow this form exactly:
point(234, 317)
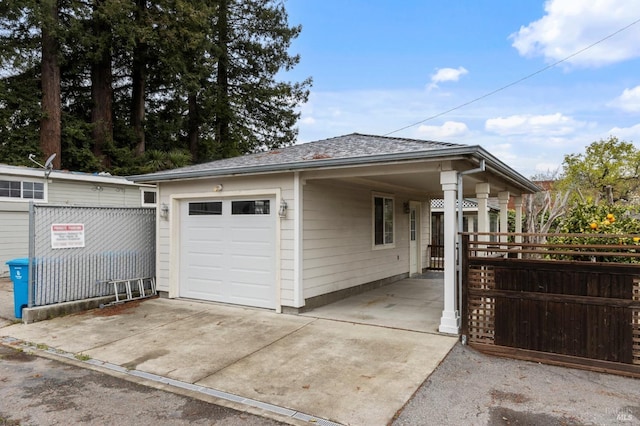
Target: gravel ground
point(469, 388)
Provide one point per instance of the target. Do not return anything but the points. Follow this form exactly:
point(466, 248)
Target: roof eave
point(312, 164)
point(501, 168)
point(30, 172)
point(436, 154)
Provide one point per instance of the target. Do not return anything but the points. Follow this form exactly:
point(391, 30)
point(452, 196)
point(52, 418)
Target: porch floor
point(410, 304)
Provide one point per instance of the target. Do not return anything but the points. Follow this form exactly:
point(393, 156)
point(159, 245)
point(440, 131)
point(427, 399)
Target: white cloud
point(526, 124)
point(629, 100)
point(547, 168)
point(307, 120)
point(629, 134)
point(569, 26)
point(446, 74)
point(450, 129)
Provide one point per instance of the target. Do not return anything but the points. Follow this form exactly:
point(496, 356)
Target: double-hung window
point(383, 220)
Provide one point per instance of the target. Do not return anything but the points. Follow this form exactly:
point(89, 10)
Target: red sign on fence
point(67, 235)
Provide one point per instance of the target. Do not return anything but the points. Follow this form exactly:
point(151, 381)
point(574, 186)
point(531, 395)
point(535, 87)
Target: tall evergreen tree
point(28, 40)
point(50, 122)
point(101, 82)
point(254, 111)
point(163, 78)
point(139, 75)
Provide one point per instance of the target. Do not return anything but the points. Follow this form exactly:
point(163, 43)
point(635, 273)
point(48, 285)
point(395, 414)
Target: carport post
point(449, 322)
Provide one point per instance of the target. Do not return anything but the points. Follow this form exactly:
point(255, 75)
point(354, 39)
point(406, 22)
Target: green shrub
point(600, 224)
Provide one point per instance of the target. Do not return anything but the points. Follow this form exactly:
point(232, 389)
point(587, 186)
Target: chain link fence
point(76, 251)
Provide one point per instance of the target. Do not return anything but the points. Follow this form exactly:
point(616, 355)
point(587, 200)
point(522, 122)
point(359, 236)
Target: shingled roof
point(348, 148)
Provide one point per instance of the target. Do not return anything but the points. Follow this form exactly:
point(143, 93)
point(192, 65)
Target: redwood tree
point(50, 124)
point(101, 85)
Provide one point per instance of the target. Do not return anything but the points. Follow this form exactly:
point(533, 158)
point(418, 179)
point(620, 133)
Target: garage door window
point(205, 208)
point(250, 207)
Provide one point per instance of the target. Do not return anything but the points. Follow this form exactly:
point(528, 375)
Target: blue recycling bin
point(19, 272)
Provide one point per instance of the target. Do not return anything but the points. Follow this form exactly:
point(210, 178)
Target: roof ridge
point(404, 139)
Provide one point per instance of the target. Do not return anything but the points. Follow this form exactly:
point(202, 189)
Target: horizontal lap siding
point(338, 251)
point(87, 194)
point(14, 237)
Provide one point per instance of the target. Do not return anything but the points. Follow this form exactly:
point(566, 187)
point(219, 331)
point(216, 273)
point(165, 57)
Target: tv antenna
point(47, 166)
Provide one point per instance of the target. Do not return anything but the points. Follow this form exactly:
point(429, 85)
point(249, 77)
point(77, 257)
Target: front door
point(414, 238)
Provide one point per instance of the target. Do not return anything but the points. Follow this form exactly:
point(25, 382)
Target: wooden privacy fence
point(565, 303)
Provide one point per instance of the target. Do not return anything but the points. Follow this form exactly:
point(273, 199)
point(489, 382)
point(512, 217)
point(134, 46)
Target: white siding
point(283, 182)
point(90, 194)
point(338, 246)
point(14, 233)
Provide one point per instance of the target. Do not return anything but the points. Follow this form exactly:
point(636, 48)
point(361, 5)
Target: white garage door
point(228, 251)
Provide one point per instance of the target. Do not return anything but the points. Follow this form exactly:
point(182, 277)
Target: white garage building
point(297, 227)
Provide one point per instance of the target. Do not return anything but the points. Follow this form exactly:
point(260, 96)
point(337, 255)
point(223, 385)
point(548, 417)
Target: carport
point(340, 216)
point(409, 304)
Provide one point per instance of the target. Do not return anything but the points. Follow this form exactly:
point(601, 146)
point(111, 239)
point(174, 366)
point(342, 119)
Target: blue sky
point(379, 66)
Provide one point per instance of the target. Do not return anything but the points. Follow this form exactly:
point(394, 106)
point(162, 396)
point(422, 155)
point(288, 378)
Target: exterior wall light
point(164, 211)
point(282, 211)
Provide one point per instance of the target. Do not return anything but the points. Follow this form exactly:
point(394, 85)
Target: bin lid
point(21, 261)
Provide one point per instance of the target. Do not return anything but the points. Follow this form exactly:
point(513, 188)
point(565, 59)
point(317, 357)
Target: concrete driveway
point(294, 368)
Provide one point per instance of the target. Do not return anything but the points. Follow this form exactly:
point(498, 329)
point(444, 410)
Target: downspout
point(480, 169)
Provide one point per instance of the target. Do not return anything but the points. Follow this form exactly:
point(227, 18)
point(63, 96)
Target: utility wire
point(486, 95)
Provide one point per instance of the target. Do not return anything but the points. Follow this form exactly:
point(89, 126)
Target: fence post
point(464, 309)
point(32, 250)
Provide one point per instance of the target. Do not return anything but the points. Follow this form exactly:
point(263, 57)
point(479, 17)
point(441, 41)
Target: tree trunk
point(50, 127)
point(194, 124)
point(101, 90)
point(223, 113)
point(139, 79)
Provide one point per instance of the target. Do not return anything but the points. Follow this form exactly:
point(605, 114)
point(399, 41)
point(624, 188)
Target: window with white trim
point(383, 220)
point(17, 190)
point(250, 207)
point(148, 197)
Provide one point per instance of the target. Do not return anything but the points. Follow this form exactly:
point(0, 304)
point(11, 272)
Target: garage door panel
point(204, 235)
point(248, 294)
point(203, 286)
point(228, 257)
point(251, 263)
point(251, 234)
point(203, 255)
point(205, 271)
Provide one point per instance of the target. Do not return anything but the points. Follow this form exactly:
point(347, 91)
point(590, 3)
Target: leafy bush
point(600, 224)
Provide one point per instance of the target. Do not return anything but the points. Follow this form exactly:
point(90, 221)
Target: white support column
point(517, 204)
point(450, 320)
point(482, 195)
point(503, 199)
